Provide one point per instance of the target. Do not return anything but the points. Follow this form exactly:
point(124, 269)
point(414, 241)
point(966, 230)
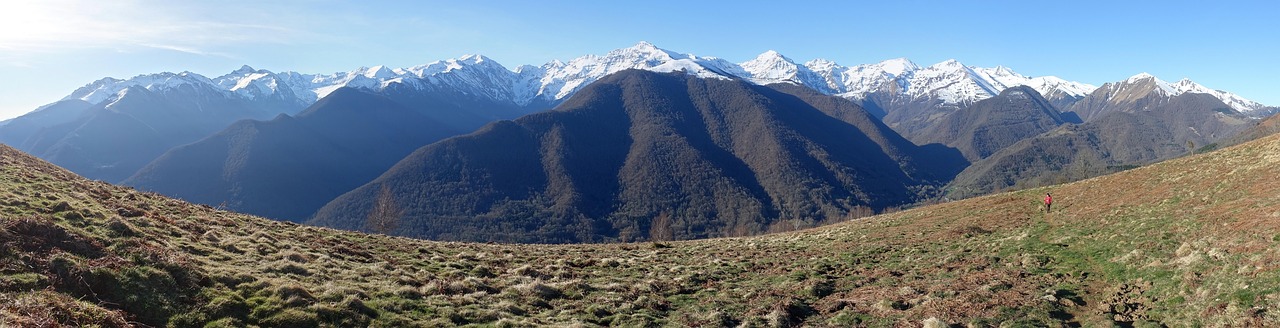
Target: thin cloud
point(189, 50)
point(35, 27)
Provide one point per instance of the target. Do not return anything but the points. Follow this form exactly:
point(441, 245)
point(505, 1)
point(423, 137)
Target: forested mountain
point(1135, 130)
point(991, 124)
point(288, 167)
point(641, 155)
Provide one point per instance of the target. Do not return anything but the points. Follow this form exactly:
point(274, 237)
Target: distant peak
point(378, 72)
point(899, 60)
point(1140, 77)
point(1187, 82)
point(244, 70)
point(473, 58)
point(949, 63)
point(822, 63)
point(645, 46)
point(772, 55)
point(898, 66)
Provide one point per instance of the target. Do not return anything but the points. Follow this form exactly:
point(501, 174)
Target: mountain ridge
point(950, 81)
point(712, 154)
point(1127, 124)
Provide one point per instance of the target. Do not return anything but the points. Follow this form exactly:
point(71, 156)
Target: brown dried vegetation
point(1191, 242)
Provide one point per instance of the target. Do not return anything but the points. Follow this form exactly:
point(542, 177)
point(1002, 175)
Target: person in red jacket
point(1048, 202)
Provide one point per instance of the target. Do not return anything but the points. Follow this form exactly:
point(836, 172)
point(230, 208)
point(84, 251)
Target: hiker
point(1048, 202)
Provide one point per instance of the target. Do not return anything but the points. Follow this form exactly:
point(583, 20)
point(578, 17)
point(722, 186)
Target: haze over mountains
point(304, 139)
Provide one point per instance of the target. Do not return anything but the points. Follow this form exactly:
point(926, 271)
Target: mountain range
point(232, 140)
point(897, 90)
point(1133, 122)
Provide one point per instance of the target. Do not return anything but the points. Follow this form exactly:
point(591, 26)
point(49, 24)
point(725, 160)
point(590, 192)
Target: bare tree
point(661, 229)
point(859, 211)
point(385, 216)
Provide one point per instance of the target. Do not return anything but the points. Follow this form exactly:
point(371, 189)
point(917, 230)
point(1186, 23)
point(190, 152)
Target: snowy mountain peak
point(1141, 83)
point(378, 72)
point(1004, 71)
point(243, 70)
point(1143, 77)
point(821, 64)
point(645, 45)
point(898, 66)
point(948, 64)
point(102, 89)
point(772, 67)
point(475, 59)
point(773, 55)
point(645, 50)
point(769, 60)
point(1146, 81)
point(1186, 84)
point(1235, 101)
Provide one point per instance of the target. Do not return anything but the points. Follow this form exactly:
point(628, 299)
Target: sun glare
point(27, 25)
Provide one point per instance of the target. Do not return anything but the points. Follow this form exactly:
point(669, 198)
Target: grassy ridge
point(1183, 243)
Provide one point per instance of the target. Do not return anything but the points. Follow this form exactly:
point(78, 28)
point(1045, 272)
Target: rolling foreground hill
point(714, 157)
point(1188, 242)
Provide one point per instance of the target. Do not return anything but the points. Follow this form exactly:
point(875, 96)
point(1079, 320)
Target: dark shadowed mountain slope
point(112, 140)
point(994, 123)
point(288, 167)
point(710, 157)
point(1162, 128)
point(16, 131)
point(1263, 128)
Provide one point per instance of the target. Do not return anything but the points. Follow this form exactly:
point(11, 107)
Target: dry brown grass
point(1187, 242)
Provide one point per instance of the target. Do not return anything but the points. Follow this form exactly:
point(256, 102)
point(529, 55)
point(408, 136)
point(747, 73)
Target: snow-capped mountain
point(1145, 92)
point(1235, 101)
point(772, 67)
point(560, 80)
point(949, 83)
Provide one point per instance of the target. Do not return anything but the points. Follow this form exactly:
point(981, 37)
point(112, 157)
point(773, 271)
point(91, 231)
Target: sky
point(48, 48)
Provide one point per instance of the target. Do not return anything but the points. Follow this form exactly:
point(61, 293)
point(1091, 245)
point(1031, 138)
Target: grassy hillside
point(1190, 242)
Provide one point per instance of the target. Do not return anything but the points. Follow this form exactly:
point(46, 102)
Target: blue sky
point(49, 48)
